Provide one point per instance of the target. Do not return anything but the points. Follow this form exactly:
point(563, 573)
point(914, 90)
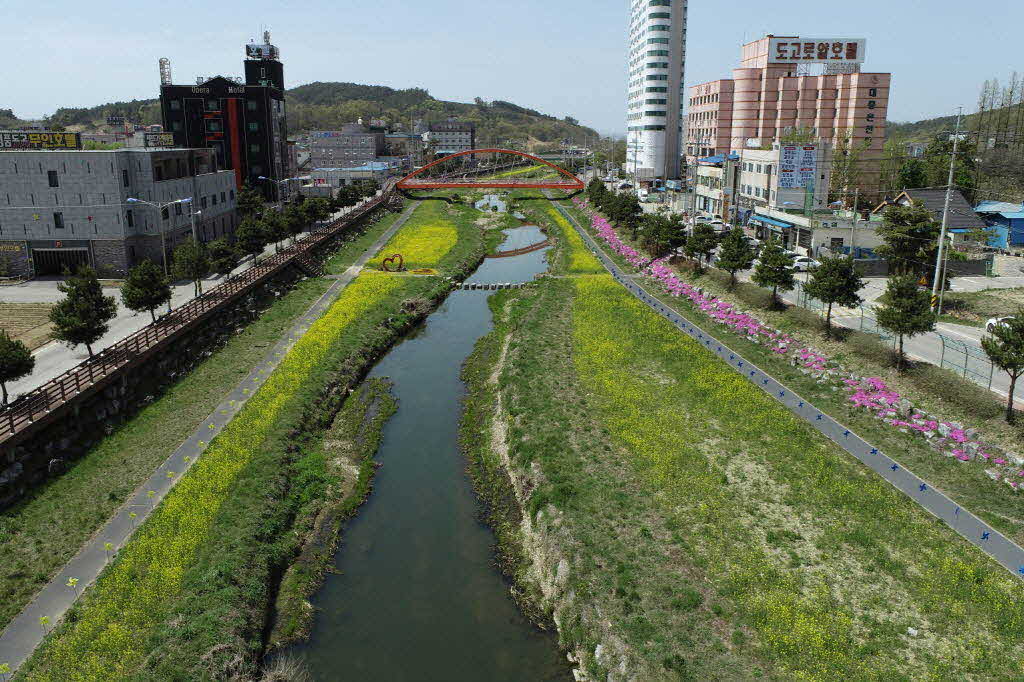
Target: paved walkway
point(974, 530)
point(24, 633)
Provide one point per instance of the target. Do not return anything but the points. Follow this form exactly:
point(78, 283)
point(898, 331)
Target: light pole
point(163, 232)
point(939, 270)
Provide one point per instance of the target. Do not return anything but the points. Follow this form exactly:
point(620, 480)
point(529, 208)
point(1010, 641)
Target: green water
point(418, 596)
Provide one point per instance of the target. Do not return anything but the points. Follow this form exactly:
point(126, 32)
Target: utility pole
point(939, 274)
point(853, 230)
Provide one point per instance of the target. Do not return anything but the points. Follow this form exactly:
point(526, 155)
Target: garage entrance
point(54, 261)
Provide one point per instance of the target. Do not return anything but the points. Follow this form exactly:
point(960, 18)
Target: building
point(788, 177)
point(242, 121)
point(962, 223)
point(325, 182)
point(811, 234)
point(1006, 220)
point(656, 65)
point(451, 137)
point(811, 86)
point(355, 144)
point(64, 208)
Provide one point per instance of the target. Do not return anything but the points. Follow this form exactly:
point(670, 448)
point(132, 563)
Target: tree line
point(910, 235)
point(83, 316)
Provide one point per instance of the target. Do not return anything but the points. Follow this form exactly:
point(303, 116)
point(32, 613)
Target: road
point(54, 358)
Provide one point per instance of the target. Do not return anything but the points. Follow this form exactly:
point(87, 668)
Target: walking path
point(977, 532)
point(24, 633)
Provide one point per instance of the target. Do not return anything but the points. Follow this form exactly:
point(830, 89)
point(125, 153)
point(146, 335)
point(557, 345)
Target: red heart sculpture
point(397, 258)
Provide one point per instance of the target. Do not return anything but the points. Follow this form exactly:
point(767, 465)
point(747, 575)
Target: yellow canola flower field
point(825, 562)
point(423, 241)
point(580, 260)
point(103, 643)
point(524, 171)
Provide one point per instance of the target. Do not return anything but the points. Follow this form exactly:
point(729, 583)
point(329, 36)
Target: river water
point(418, 597)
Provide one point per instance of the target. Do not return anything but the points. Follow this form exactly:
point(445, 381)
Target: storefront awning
point(765, 220)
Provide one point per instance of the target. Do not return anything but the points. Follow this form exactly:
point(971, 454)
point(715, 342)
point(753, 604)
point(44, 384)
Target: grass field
point(428, 236)
point(975, 307)
point(190, 596)
point(27, 322)
point(707, 533)
point(41, 533)
point(359, 241)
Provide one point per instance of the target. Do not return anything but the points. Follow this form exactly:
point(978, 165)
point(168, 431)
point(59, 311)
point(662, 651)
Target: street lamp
point(163, 233)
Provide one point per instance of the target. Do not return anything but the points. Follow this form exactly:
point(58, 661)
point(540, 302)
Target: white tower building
point(657, 56)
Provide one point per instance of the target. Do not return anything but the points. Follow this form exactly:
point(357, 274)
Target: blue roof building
point(1006, 219)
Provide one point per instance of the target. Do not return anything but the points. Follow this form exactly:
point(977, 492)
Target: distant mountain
point(926, 130)
point(331, 105)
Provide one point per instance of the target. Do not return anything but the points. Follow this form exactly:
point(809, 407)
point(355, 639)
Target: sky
point(561, 57)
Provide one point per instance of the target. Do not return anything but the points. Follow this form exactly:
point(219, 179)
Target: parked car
point(625, 185)
point(994, 322)
point(804, 263)
point(643, 195)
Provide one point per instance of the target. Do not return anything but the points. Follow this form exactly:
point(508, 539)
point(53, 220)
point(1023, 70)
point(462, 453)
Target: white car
point(804, 263)
point(995, 322)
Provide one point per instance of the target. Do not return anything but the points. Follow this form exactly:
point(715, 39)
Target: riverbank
point(216, 582)
point(675, 522)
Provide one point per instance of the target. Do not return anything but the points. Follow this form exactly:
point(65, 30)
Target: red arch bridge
point(564, 180)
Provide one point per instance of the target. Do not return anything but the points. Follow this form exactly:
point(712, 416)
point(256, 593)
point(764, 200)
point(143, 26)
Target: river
point(417, 596)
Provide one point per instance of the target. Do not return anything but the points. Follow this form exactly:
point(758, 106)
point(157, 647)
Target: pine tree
point(906, 311)
point(294, 219)
point(700, 244)
point(145, 288)
point(251, 237)
point(16, 361)
point(191, 262)
point(910, 234)
point(836, 280)
point(774, 269)
point(736, 254)
point(249, 203)
point(82, 317)
point(1005, 348)
point(223, 257)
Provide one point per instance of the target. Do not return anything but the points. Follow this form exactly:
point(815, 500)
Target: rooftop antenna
point(165, 71)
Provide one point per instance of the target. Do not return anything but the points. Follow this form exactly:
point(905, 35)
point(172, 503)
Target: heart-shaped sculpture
point(396, 260)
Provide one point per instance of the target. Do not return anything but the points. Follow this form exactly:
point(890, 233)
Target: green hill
point(331, 105)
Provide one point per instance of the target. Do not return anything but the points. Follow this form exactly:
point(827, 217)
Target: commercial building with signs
point(785, 84)
point(62, 209)
point(656, 64)
point(243, 122)
point(353, 145)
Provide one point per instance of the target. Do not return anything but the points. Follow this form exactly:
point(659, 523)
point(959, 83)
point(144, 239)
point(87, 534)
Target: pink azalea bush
point(948, 438)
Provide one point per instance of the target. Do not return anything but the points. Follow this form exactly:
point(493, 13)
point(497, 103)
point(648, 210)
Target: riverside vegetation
point(191, 593)
point(677, 523)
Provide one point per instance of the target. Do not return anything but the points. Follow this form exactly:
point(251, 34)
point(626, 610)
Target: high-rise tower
point(657, 57)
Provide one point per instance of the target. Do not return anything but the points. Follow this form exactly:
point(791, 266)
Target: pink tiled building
point(787, 82)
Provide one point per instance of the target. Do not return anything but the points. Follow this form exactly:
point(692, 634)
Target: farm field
point(27, 322)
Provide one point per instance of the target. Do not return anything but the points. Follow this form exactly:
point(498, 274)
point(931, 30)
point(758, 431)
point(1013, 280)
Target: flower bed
point(423, 241)
point(581, 261)
point(950, 439)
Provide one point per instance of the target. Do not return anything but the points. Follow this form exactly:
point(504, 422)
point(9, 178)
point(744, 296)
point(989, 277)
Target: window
point(836, 243)
point(872, 92)
point(212, 105)
point(214, 125)
point(177, 209)
point(659, 15)
point(176, 126)
point(652, 41)
point(58, 220)
point(129, 218)
point(222, 200)
point(213, 199)
point(175, 105)
point(254, 126)
point(660, 3)
point(124, 177)
point(52, 177)
point(202, 202)
point(165, 212)
point(250, 105)
point(231, 194)
point(254, 149)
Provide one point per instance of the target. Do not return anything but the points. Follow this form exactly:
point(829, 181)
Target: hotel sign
point(19, 139)
point(816, 50)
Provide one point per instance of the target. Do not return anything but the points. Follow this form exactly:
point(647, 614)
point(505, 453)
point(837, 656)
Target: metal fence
point(966, 359)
